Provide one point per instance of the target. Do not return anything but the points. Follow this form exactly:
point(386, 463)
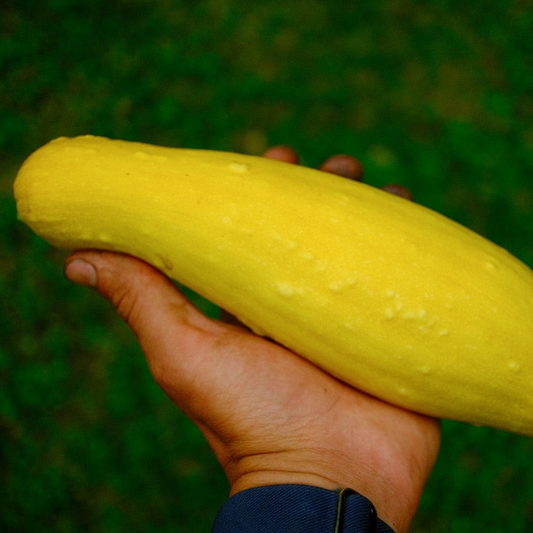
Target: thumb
point(175, 337)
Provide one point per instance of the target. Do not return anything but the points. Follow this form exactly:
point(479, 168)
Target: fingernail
point(345, 166)
point(398, 190)
point(81, 272)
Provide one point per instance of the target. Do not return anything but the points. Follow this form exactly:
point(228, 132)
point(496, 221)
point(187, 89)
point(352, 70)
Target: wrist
point(256, 479)
point(394, 506)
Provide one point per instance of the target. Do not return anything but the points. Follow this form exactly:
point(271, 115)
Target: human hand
point(270, 416)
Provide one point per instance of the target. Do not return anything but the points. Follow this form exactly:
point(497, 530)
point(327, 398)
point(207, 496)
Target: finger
point(282, 153)
point(398, 190)
point(345, 166)
point(174, 335)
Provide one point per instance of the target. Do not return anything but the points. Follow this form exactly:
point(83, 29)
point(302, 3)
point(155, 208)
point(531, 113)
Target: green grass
point(437, 96)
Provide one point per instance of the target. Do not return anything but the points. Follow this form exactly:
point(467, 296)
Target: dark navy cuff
point(298, 509)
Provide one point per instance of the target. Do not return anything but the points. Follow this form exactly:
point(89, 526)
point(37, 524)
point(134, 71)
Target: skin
point(269, 415)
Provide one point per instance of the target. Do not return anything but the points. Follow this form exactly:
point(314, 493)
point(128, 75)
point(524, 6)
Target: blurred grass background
point(437, 96)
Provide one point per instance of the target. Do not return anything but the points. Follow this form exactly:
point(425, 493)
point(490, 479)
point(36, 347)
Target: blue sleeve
point(298, 509)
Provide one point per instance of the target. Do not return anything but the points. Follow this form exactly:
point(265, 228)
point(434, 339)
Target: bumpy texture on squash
point(387, 295)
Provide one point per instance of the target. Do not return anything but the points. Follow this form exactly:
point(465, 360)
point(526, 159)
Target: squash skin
point(384, 294)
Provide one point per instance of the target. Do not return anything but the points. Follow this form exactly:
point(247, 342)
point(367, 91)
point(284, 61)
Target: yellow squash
point(387, 295)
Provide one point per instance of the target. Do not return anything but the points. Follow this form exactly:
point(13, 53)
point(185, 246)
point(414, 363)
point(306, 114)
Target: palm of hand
point(272, 417)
